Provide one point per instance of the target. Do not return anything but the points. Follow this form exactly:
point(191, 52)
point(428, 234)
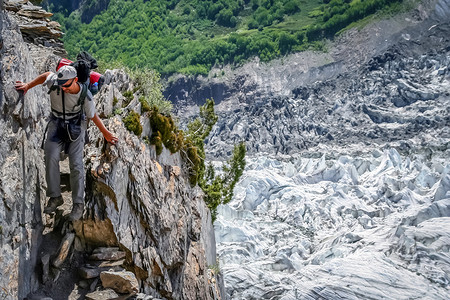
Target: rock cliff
point(143, 222)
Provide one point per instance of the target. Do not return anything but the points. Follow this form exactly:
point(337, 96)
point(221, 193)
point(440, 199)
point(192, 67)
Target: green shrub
point(198, 131)
point(133, 123)
point(218, 189)
point(215, 268)
point(190, 153)
point(156, 140)
point(117, 111)
point(291, 7)
point(128, 98)
point(144, 104)
point(151, 88)
point(225, 17)
point(286, 42)
point(165, 132)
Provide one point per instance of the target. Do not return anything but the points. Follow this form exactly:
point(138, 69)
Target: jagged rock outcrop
point(144, 204)
point(22, 125)
point(137, 202)
point(35, 25)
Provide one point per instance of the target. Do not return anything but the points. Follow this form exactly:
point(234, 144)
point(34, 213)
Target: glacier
point(338, 225)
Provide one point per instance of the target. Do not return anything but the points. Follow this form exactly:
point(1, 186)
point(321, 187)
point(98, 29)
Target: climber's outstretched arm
point(106, 133)
point(22, 86)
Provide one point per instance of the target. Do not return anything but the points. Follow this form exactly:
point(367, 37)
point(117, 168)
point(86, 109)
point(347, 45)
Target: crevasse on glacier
point(366, 226)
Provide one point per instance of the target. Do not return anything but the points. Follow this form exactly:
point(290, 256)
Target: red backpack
point(84, 64)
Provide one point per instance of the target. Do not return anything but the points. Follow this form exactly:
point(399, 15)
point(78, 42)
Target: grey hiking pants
point(52, 152)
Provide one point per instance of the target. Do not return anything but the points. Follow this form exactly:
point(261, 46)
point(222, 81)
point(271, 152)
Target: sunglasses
point(68, 84)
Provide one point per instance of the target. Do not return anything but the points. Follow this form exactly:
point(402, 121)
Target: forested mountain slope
point(191, 36)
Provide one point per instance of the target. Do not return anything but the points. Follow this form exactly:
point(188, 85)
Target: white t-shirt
point(70, 100)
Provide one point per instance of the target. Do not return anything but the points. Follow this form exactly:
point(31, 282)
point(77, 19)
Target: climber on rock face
point(71, 104)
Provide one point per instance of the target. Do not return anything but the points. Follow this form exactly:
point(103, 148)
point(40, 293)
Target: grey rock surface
point(146, 203)
point(21, 166)
point(35, 26)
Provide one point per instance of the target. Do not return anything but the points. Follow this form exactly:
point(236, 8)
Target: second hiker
point(71, 103)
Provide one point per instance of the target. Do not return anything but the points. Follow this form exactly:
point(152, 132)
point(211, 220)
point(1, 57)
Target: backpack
point(84, 64)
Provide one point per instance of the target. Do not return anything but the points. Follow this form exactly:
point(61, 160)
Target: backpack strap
point(81, 100)
point(84, 90)
point(64, 106)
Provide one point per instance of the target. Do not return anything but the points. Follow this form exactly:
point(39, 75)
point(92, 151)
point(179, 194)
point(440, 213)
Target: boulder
point(40, 29)
point(121, 282)
point(102, 295)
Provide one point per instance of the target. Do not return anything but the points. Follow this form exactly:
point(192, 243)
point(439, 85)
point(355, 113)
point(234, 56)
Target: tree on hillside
point(286, 42)
point(219, 188)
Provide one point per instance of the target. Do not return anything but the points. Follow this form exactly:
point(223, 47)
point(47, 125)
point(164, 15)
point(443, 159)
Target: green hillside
point(191, 36)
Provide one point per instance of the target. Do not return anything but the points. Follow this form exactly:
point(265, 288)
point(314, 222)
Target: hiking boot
point(77, 212)
point(52, 204)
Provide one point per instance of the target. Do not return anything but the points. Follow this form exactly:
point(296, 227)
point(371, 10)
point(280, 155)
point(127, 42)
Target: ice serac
point(351, 226)
point(139, 207)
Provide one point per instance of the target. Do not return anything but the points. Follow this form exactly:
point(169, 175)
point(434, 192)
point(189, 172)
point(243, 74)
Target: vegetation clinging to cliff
point(198, 131)
point(148, 83)
point(132, 123)
point(165, 132)
point(218, 188)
